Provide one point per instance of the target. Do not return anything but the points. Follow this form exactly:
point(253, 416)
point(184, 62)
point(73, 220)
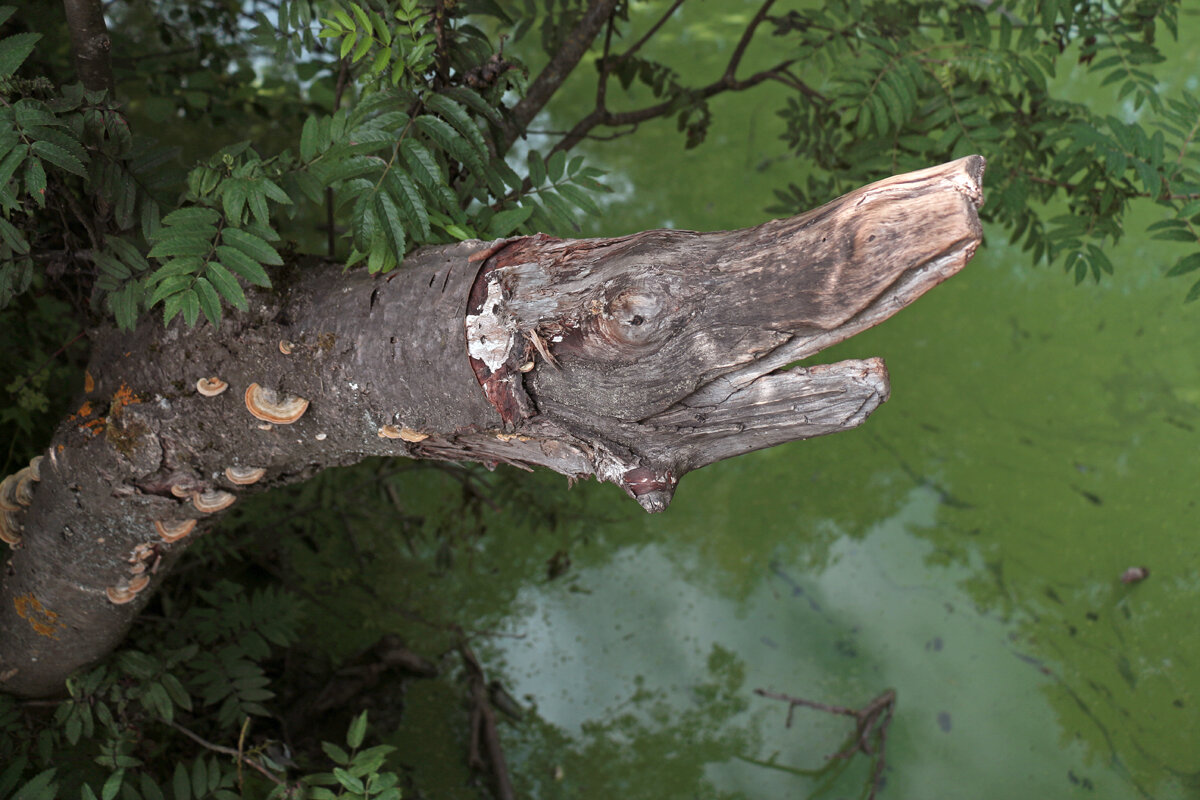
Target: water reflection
point(965, 548)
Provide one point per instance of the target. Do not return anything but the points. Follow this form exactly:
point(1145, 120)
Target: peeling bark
point(634, 360)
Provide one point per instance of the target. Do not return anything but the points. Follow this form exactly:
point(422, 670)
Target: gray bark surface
point(634, 360)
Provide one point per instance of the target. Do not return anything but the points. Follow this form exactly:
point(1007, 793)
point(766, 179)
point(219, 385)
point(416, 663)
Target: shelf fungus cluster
point(143, 562)
point(16, 493)
point(401, 432)
point(274, 407)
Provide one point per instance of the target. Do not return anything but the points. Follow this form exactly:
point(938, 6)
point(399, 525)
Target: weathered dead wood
point(634, 360)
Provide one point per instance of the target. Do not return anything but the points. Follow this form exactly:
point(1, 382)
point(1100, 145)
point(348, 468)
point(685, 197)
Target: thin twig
point(229, 751)
point(871, 719)
point(653, 30)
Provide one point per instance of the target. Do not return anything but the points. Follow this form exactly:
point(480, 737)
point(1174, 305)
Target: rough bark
point(634, 360)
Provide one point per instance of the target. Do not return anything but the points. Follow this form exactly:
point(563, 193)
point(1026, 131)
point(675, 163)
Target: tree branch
point(669, 351)
point(561, 65)
point(90, 43)
point(601, 116)
point(610, 119)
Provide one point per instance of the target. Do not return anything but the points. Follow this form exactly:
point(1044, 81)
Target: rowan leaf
point(35, 181)
point(59, 157)
point(555, 166)
point(507, 221)
point(191, 307)
point(226, 285)
point(389, 214)
point(168, 287)
point(14, 50)
point(580, 198)
point(364, 221)
point(409, 199)
point(310, 139)
point(243, 265)
point(233, 198)
point(210, 304)
point(450, 140)
point(251, 245)
point(192, 215)
point(457, 116)
point(421, 163)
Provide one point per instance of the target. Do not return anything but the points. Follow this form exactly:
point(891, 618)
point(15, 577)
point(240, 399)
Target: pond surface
point(964, 547)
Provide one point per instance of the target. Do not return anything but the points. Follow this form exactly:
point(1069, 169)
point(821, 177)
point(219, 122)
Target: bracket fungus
point(125, 591)
point(400, 432)
point(272, 406)
point(244, 476)
point(8, 494)
point(16, 491)
point(10, 528)
point(211, 387)
point(212, 501)
point(119, 595)
point(181, 491)
point(174, 531)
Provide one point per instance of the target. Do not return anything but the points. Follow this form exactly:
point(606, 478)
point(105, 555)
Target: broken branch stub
point(634, 360)
point(660, 352)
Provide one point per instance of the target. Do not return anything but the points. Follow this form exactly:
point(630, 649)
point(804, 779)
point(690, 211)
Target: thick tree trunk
point(634, 359)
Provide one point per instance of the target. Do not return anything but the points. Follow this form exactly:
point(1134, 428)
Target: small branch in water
point(871, 720)
point(484, 735)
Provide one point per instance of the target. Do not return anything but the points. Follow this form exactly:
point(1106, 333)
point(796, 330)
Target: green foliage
point(411, 161)
point(124, 730)
point(913, 84)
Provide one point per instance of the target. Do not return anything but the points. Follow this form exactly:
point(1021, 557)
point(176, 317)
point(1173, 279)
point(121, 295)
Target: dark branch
point(728, 82)
point(561, 65)
point(90, 43)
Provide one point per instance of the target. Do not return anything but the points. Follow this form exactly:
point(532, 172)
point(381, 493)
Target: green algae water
point(964, 547)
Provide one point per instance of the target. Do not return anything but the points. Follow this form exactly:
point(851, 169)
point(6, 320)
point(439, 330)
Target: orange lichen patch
point(93, 425)
point(43, 621)
point(61, 447)
point(89, 383)
point(124, 396)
